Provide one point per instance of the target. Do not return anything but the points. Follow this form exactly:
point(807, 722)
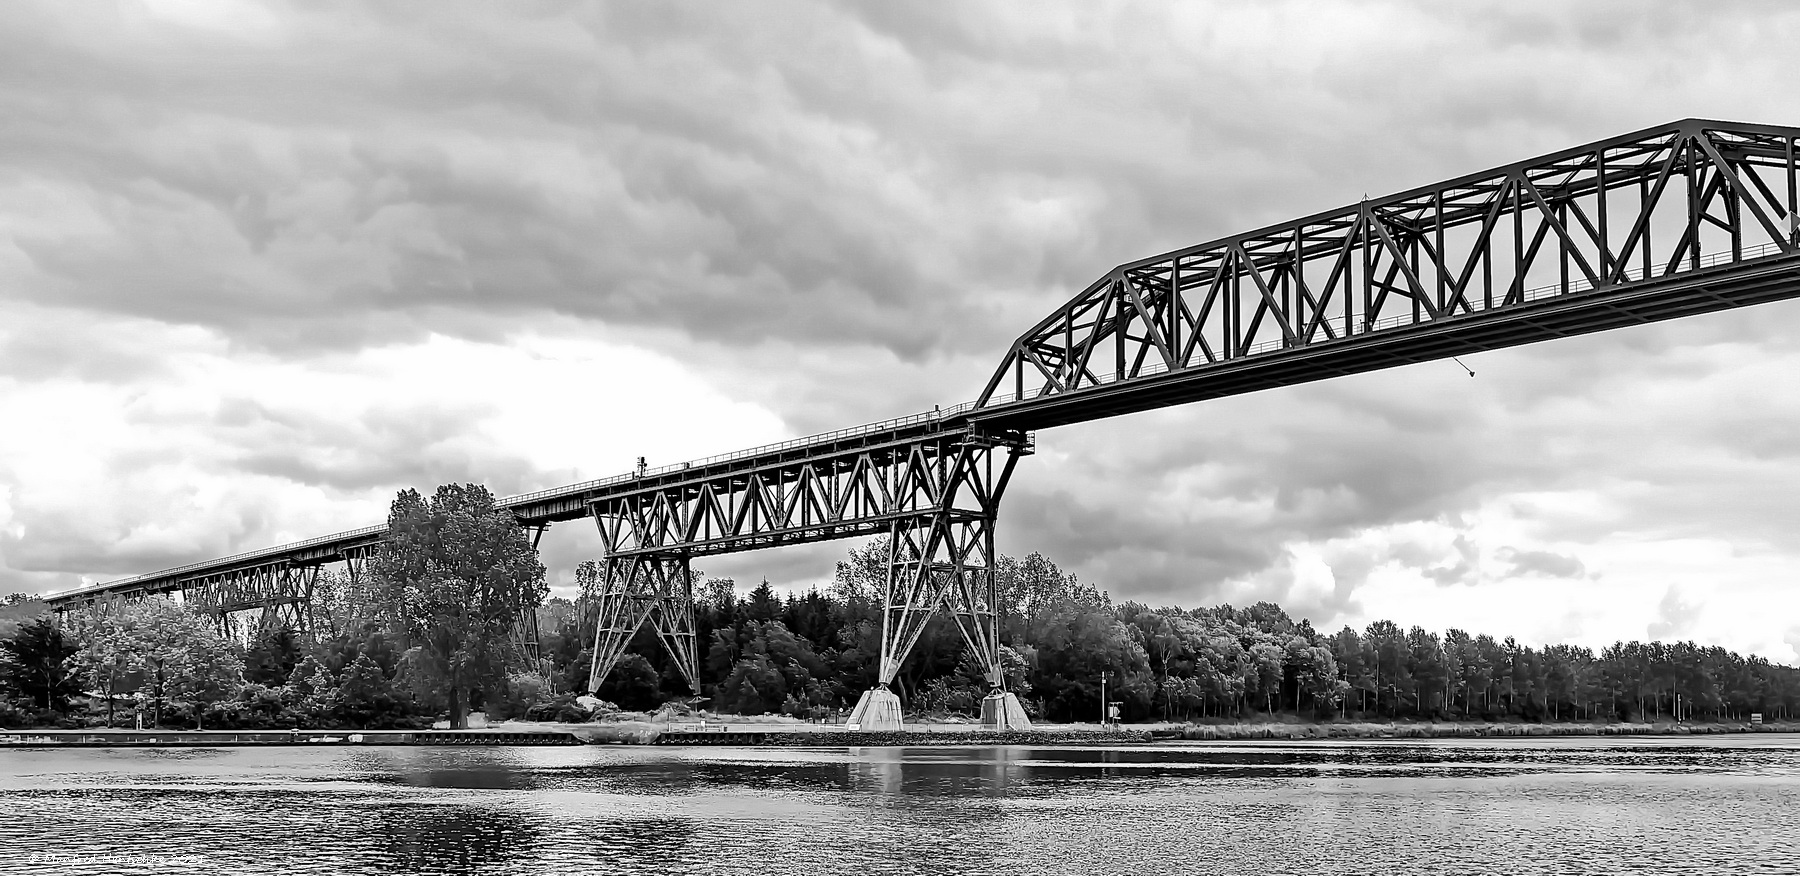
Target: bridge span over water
point(1684, 218)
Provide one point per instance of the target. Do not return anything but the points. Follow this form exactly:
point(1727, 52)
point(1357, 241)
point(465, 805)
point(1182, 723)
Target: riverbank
point(773, 735)
point(1459, 730)
point(745, 732)
point(103, 738)
point(799, 734)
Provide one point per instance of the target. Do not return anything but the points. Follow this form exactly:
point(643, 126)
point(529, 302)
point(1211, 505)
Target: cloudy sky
point(262, 264)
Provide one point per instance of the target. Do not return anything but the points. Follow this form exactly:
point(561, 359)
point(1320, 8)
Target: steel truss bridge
point(1685, 218)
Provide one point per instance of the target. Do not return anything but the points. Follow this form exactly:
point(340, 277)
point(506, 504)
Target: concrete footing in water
point(878, 709)
point(1001, 710)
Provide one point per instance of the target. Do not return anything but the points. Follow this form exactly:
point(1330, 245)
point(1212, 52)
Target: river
point(1724, 805)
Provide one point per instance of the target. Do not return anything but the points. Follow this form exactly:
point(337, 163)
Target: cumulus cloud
point(1675, 616)
point(1547, 564)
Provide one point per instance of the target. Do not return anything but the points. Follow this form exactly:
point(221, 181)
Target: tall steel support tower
point(942, 559)
point(636, 589)
point(933, 490)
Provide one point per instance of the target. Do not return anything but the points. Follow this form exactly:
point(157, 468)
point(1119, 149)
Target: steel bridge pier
point(932, 490)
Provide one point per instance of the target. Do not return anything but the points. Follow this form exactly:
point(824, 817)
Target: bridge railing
point(764, 450)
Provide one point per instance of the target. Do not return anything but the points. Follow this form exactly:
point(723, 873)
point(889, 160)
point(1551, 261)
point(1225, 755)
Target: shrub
point(518, 695)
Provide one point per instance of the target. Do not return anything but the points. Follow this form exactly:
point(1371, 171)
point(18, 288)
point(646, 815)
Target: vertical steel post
point(1606, 260)
point(1792, 188)
point(1693, 211)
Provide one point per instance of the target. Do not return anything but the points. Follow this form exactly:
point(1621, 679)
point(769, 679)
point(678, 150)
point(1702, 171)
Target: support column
point(525, 640)
point(945, 559)
point(634, 589)
point(525, 633)
point(289, 599)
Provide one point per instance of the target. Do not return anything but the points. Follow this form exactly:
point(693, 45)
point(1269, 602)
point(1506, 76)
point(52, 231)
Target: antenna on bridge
point(1464, 367)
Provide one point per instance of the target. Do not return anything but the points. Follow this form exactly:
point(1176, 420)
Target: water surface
point(1706, 805)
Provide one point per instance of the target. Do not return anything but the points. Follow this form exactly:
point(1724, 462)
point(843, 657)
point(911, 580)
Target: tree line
point(810, 654)
point(427, 632)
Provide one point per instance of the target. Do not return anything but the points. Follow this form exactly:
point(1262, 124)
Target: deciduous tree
point(37, 664)
point(455, 574)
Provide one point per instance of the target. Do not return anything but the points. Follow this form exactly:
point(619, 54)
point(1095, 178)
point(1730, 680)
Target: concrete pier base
point(879, 709)
point(1001, 710)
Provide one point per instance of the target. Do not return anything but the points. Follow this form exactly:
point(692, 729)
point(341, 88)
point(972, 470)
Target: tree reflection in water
point(476, 768)
point(622, 840)
point(437, 838)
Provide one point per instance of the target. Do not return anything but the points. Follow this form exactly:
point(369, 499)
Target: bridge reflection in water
point(928, 772)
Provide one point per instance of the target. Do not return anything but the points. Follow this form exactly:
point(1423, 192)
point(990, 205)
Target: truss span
point(1680, 219)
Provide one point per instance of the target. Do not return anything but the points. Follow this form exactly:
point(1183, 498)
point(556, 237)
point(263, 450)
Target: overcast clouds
point(262, 264)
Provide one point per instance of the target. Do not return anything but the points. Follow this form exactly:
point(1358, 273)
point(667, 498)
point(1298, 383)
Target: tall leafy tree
point(37, 665)
point(455, 574)
point(271, 655)
point(175, 654)
point(363, 692)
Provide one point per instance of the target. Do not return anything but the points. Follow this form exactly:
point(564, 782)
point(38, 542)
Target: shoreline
point(780, 735)
point(1464, 730)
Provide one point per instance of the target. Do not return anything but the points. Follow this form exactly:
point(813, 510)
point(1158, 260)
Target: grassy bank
point(643, 729)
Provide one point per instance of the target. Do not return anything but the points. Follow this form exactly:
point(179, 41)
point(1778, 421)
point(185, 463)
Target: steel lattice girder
point(643, 588)
point(1678, 219)
point(858, 491)
point(281, 592)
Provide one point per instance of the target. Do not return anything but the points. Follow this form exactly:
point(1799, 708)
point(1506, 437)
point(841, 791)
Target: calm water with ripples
point(1713, 805)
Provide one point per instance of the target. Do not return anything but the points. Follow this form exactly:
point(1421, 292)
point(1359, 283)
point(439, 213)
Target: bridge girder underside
point(934, 496)
point(1471, 259)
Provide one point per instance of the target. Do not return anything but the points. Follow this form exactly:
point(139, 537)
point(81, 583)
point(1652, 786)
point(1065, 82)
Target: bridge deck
point(560, 504)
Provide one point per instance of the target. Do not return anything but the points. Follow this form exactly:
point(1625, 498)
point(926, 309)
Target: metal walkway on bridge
point(1679, 219)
